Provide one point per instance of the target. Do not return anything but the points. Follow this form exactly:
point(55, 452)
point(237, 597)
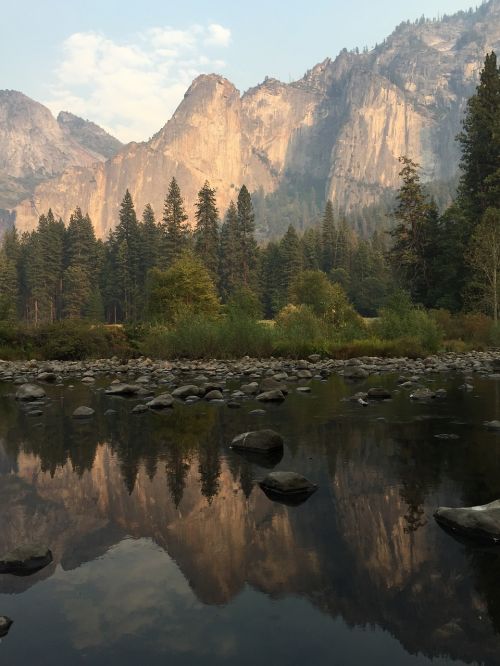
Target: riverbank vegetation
point(155, 287)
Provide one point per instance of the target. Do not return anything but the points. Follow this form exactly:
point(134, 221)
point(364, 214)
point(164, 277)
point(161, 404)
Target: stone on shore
point(476, 522)
point(261, 441)
point(25, 560)
point(29, 392)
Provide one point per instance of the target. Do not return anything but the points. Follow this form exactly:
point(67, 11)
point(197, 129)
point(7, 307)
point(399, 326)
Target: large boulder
point(271, 384)
point(476, 522)
point(161, 401)
point(25, 560)
point(423, 394)
point(262, 441)
point(30, 392)
point(379, 393)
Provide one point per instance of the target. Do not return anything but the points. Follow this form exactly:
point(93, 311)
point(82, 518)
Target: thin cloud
point(131, 89)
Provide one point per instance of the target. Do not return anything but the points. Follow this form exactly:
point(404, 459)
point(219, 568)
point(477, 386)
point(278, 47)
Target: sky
point(126, 65)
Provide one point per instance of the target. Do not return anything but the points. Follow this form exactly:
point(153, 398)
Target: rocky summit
point(340, 128)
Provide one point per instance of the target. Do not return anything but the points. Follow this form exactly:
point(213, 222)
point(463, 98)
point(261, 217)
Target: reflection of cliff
point(349, 550)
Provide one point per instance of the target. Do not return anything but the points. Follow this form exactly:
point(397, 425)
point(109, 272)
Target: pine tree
point(128, 258)
point(408, 254)
point(246, 238)
point(176, 233)
point(206, 234)
point(150, 241)
point(230, 250)
point(328, 235)
point(290, 260)
point(10, 287)
point(480, 143)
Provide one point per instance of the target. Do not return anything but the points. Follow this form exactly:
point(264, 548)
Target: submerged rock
point(258, 440)
point(379, 393)
point(492, 425)
point(30, 392)
point(5, 624)
point(122, 389)
point(423, 394)
point(25, 560)
point(83, 412)
point(139, 409)
point(476, 522)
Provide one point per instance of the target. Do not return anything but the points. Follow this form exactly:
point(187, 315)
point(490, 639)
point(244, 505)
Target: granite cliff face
point(34, 146)
point(342, 127)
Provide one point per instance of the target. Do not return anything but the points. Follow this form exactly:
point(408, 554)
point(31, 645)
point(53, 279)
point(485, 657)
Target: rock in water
point(5, 624)
point(83, 412)
point(423, 394)
point(271, 396)
point(476, 522)
point(161, 401)
point(25, 560)
point(122, 389)
point(186, 391)
point(30, 392)
point(288, 486)
point(379, 393)
point(258, 440)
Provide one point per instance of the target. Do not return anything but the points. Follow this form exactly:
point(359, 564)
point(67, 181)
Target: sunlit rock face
point(34, 146)
point(343, 125)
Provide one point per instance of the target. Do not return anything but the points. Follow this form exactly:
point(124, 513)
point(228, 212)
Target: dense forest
point(156, 268)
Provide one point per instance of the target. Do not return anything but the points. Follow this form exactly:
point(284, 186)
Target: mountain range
point(339, 130)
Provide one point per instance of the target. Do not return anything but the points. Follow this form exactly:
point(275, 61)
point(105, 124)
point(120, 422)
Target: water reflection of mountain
point(363, 547)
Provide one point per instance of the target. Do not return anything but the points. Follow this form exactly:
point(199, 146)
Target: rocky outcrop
point(34, 146)
point(342, 127)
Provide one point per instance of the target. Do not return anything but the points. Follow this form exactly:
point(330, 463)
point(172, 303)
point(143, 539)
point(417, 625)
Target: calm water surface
point(167, 552)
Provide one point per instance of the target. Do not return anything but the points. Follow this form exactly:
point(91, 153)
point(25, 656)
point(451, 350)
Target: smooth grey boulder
point(261, 441)
point(122, 389)
point(476, 522)
point(304, 374)
point(83, 412)
point(25, 560)
point(271, 396)
point(30, 392)
point(5, 624)
point(355, 372)
point(139, 409)
point(183, 392)
point(378, 393)
point(270, 384)
point(47, 376)
point(250, 389)
point(162, 401)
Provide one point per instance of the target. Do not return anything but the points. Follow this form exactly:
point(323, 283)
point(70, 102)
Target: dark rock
point(271, 384)
point(233, 404)
point(446, 435)
point(5, 624)
point(25, 560)
point(287, 486)
point(476, 522)
point(258, 440)
point(492, 425)
point(30, 392)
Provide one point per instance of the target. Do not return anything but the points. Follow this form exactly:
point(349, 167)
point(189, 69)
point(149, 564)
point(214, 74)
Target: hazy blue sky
point(127, 64)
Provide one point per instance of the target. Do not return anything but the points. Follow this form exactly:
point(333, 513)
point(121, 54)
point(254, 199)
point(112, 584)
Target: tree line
point(447, 260)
